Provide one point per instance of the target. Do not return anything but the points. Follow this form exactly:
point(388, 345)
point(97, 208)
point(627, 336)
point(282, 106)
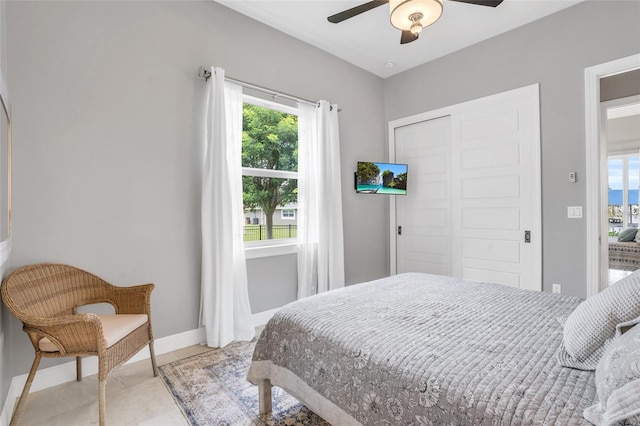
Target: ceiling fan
point(409, 16)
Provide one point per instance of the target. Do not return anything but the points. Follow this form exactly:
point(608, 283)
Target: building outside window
point(624, 180)
point(288, 214)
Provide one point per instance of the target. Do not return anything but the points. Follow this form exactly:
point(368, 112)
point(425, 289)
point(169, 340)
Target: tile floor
point(134, 397)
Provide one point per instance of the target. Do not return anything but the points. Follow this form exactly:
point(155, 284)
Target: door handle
point(527, 236)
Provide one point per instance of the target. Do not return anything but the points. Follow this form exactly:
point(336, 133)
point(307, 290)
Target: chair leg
point(78, 368)
point(153, 358)
point(25, 390)
point(102, 390)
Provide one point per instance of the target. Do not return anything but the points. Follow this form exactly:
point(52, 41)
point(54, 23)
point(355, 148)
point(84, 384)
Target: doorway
point(620, 146)
point(597, 231)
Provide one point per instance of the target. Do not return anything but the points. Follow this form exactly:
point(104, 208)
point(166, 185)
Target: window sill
point(270, 250)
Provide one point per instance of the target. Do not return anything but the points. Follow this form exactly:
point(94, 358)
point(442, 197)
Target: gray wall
point(553, 52)
point(5, 353)
point(107, 129)
point(620, 85)
point(266, 279)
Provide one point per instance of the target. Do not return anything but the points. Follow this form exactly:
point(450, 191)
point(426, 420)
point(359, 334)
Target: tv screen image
point(381, 178)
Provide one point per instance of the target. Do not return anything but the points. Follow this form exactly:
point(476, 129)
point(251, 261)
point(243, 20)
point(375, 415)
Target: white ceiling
point(370, 42)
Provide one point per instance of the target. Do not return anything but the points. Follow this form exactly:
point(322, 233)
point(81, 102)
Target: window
point(270, 171)
point(624, 180)
point(288, 214)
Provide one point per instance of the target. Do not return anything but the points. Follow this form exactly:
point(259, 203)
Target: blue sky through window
point(615, 173)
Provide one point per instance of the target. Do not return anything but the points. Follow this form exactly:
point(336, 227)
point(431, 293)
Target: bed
point(419, 349)
point(624, 256)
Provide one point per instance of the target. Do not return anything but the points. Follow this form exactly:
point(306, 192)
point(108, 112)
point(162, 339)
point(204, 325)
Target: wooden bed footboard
point(264, 396)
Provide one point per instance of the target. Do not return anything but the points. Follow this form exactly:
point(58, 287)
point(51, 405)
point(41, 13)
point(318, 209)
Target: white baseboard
point(261, 318)
point(63, 373)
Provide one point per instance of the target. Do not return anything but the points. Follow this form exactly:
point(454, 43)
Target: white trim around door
point(592, 76)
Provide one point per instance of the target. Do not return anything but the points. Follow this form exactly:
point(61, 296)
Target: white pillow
point(618, 382)
point(594, 323)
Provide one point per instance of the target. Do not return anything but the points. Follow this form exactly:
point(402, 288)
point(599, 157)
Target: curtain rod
point(206, 74)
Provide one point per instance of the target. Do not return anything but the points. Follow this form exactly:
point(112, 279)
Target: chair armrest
point(79, 333)
point(132, 300)
point(64, 320)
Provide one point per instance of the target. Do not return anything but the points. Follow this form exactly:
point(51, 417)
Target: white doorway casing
point(595, 168)
point(617, 142)
point(494, 188)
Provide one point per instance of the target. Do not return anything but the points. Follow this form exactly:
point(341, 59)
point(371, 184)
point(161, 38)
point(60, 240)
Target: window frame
point(624, 156)
point(274, 247)
point(292, 217)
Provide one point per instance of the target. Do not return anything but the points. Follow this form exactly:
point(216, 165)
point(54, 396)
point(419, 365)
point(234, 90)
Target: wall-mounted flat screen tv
point(381, 178)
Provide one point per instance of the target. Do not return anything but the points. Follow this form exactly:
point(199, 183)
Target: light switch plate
point(574, 212)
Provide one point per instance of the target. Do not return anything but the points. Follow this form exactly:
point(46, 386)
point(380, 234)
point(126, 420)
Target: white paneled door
point(424, 214)
point(473, 203)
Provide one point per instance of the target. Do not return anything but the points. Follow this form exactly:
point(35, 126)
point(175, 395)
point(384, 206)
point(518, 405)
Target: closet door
point(424, 214)
point(473, 206)
point(496, 193)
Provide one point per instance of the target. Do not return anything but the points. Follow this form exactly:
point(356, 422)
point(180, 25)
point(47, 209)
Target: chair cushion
point(114, 328)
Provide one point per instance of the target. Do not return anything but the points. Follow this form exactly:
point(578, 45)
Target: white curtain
point(320, 233)
point(225, 313)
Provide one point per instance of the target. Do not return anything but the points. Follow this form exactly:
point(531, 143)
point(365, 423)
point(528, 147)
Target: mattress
point(420, 349)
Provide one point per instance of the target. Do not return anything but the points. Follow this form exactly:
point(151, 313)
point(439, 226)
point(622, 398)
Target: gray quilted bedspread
point(418, 349)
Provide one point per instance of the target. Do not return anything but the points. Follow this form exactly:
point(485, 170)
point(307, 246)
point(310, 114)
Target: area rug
point(212, 389)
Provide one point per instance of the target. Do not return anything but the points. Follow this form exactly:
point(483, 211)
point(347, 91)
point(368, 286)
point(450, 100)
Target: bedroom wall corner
point(553, 51)
point(107, 113)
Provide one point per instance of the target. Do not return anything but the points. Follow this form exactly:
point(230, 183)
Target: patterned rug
point(212, 389)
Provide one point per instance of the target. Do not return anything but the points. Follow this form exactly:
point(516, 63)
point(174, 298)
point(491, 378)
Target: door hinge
point(399, 230)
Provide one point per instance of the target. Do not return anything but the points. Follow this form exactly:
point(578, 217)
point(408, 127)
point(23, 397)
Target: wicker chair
point(45, 297)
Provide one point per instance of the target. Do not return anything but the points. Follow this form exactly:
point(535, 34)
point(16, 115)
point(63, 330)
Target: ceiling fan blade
point(408, 37)
point(491, 3)
point(354, 11)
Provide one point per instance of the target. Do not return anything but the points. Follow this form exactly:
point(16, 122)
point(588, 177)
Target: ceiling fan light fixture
point(414, 15)
point(416, 28)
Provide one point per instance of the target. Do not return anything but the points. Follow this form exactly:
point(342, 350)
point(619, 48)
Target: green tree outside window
point(269, 141)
